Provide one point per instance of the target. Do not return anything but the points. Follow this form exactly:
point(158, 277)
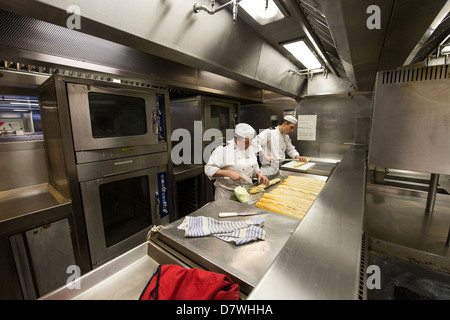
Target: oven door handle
point(118, 172)
point(158, 205)
point(155, 121)
point(123, 162)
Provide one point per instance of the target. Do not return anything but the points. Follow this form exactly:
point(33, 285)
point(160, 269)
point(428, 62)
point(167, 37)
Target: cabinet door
point(44, 254)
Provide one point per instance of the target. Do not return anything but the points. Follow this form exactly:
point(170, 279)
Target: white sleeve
point(254, 163)
point(215, 162)
point(259, 143)
point(290, 149)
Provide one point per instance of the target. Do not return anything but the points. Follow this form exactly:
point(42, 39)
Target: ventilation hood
point(242, 50)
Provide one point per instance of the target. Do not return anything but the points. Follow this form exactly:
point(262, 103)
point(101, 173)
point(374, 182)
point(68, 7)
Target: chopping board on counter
point(303, 167)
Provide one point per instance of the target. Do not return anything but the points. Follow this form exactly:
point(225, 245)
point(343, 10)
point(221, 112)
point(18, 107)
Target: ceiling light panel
point(257, 10)
point(302, 53)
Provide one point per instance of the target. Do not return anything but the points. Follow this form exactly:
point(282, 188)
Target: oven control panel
point(163, 194)
point(160, 117)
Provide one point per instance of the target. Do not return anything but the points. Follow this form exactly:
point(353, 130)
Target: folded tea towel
point(239, 232)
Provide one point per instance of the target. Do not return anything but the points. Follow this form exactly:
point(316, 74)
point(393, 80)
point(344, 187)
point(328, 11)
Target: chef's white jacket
point(275, 144)
point(231, 157)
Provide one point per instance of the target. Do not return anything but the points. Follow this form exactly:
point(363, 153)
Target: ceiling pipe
point(310, 72)
point(198, 7)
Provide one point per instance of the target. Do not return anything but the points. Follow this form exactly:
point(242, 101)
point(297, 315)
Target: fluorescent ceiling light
point(302, 53)
point(445, 49)
point(257, 10)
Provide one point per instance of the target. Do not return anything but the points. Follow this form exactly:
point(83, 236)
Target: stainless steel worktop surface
point(29, 207)
point(122, 278)
point(126, 276)
point(323, 167)
point(246, 263)
point(398, 216)
point(322, 258)
point(183, 171)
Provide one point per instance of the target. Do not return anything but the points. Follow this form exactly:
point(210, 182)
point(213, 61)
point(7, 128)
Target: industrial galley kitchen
point(275, 149)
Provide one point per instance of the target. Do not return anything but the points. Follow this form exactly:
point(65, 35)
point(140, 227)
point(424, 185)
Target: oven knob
point(164, 204)
point(163, 189)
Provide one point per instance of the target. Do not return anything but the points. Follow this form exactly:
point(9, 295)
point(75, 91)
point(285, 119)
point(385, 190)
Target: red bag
point(172, 282)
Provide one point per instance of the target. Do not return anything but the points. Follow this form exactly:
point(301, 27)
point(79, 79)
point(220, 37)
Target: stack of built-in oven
point(108, 149)
point(194, 116)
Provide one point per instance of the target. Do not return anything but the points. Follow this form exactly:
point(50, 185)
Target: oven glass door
point(125, 208)
point(119, 210)
point(104, 118)
point(219, 115)
point(114, 115)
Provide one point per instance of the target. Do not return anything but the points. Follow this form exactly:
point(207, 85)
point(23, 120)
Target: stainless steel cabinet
point(42, 256)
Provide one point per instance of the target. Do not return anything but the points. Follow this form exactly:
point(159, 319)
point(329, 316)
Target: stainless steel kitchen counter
point(29, 207)
point(246, 263)
point(184, 171)
point(397, 216)
point(24, 201)
point(322, 258)
point(323, 167)
point(126, 276)
point(122, 278)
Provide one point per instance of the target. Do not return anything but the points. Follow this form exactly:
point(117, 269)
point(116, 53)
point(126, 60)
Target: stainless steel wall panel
point(410, 129)
point(273, 71)
point(213, 83)
point(336, 120)
point(320, 85)
point(54, 141)
point(337, 116)
point(22, 164)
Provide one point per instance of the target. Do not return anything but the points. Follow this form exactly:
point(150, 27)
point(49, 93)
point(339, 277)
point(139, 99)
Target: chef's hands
point(262, 179)
point(300, 158)
point(233, 175)
point(229, 174)
point(236, 176)
point(268, 158)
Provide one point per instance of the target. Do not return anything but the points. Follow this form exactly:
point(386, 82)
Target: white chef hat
point(244, 130)
point(291, 119)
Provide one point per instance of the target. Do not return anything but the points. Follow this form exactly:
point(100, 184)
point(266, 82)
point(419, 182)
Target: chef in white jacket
point(235, 164)
point(273, 144)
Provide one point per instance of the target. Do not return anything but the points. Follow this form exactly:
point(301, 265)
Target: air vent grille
point(319, 26)
point(362, 271)
point(416, 74)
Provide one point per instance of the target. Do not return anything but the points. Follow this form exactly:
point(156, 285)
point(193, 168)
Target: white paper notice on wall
point(306, 127)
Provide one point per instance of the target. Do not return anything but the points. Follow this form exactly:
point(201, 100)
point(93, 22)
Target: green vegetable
point(242, 194)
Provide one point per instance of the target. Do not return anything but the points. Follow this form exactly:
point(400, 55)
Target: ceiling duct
point(31, 44)
point(440, 35)
point(319, 26)
point(364, 50)
point(169, 30)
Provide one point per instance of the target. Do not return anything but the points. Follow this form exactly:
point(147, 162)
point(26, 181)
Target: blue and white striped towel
point(239, 232)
